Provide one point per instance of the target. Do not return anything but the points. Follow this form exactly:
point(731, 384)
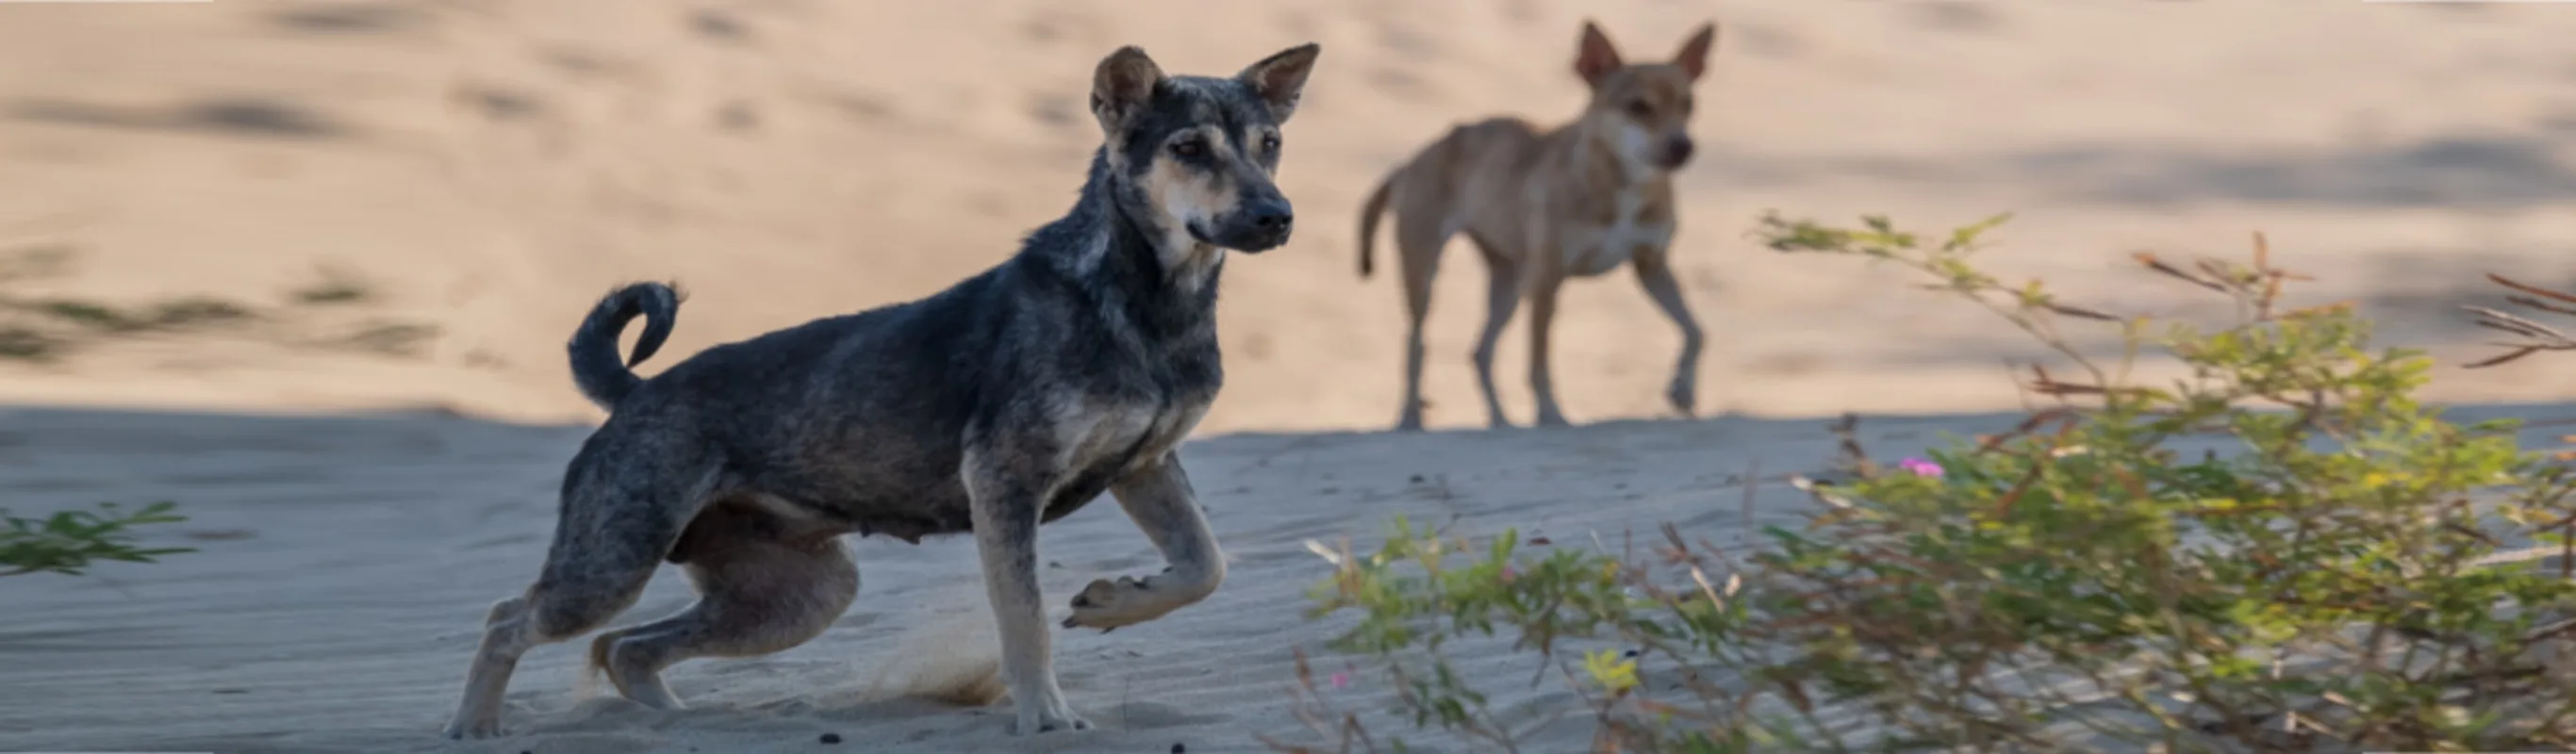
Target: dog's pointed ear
point(1122, 85)
point(1596, 57)
point(1694, 55)
point(1280, 78)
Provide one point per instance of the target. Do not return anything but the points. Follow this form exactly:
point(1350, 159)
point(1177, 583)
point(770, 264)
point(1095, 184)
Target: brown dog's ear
point(1694, 55)
point(1596, 57)
point(1124, 82)
point(1280, 78)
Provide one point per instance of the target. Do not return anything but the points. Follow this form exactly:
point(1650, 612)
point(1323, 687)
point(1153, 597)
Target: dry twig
point(2534, 337)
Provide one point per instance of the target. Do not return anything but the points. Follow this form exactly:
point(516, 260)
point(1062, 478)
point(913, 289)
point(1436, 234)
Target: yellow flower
point(1610, 670)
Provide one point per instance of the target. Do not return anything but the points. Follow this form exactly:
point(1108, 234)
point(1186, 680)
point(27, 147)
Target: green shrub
point(67, 542)
point(47, 329)
point(2281, 550)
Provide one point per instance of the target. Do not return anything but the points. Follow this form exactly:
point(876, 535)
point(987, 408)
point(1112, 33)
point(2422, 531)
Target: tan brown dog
point(1544, 206)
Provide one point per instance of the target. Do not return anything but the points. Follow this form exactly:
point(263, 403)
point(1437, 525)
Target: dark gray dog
point(1007, 401)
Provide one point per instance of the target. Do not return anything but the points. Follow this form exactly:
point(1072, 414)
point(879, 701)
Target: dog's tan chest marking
point(1132, 433)
point(1635, 224)
point(1167, 429)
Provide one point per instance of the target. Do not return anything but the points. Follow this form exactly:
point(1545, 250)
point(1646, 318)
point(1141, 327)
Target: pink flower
point(1920, 467)
point(1341, 680)
point(1509, 574)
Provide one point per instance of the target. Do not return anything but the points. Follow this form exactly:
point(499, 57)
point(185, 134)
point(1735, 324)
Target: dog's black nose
point(1270, 216)
point(1678, 151)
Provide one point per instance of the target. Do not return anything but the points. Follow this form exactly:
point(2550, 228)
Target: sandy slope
point(491, 165)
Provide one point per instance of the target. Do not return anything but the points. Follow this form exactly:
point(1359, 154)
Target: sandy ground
point(346, 563)
point(486, 167)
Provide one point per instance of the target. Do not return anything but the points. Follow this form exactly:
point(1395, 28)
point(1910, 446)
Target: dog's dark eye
point(1641, 108)
point(1269, 142)
point(1188, 148)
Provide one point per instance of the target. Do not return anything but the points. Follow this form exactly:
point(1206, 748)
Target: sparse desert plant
point(69, 541)
point(337, 285)
point(46, 329)
point(2282, 550)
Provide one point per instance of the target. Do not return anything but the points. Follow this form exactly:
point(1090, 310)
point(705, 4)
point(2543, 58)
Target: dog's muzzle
point(1677, 152)
point(1259, 226)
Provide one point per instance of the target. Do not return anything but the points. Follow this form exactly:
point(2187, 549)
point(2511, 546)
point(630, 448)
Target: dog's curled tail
point(1368, 223)
point(602, 377)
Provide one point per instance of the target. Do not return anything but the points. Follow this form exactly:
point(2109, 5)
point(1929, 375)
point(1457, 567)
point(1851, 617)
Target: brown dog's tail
point(1368, 223)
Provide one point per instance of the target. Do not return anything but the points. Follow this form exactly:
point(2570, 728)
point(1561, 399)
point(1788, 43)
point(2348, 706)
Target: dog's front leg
point(1005, 492)
point(1159, 499)
point(1543, 287)
point(1655, 273)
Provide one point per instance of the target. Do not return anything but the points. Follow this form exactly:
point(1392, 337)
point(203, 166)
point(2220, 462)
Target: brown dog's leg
point(1418, 240)
point(1543, 288)
point(1502, 298)
point(1655, 273)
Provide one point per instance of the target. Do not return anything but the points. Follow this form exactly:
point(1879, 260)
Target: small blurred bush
point(68, 542)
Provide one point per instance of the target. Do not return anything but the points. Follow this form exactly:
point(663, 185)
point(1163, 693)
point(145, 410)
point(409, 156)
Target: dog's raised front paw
point(1684, 397)
point(1109, 604)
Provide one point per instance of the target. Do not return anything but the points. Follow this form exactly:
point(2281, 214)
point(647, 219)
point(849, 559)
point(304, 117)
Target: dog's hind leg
point(1007, 489)
point(763, 588)
point(610, 534)
point(1160, 501)
point(506, 635)
point(1418, 241)
point(1502, 299)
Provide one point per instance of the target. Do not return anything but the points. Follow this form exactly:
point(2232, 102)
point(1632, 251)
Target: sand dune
point(484, 168)
point(492, 166)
